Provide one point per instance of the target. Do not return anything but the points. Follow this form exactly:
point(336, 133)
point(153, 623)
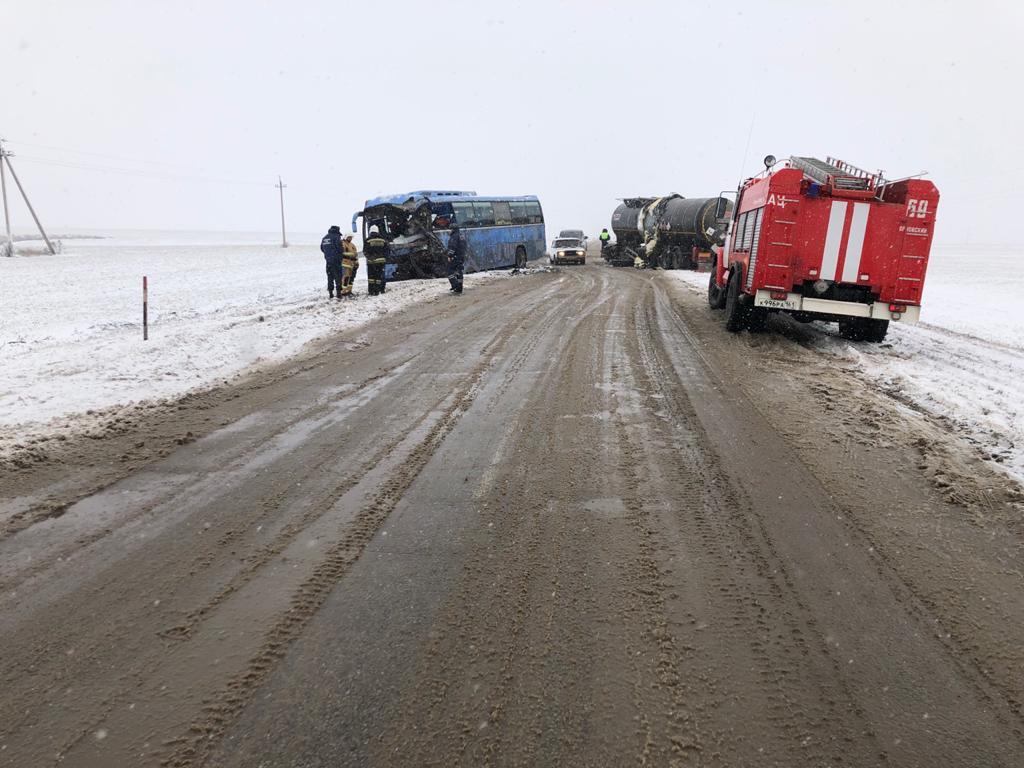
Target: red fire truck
point(824, 240)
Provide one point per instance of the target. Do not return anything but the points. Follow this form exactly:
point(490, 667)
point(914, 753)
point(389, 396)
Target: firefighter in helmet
point(349, 264)
point(375, 249)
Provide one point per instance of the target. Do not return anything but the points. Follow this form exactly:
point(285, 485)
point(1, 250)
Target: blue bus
point(501, 231)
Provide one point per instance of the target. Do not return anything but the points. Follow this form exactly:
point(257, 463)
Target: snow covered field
point(219, 304)
point(964, 363)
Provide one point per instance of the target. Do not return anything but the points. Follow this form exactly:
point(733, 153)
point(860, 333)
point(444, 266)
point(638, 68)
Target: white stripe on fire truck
point(833, 239)
point(855, 245)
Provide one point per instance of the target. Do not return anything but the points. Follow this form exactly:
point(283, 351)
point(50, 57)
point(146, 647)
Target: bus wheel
point(716, 294)
point(520, 257)
point(735, 312)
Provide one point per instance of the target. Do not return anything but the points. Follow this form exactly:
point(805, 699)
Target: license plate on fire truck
point(764, 299)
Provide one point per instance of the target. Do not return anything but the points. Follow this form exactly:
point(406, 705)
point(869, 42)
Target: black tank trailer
point(679, 232)
point(672, 232)
point(628, 238)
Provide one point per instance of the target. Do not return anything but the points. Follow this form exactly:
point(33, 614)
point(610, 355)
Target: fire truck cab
point(824, 240)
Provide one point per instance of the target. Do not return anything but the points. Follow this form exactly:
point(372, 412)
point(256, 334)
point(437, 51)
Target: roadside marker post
point(145, 308)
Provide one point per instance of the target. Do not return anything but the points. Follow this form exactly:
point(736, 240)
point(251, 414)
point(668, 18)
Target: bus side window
point(483, 214)
point(464, 214)
point(533, 210)
point(502, 214)
point(520, 214)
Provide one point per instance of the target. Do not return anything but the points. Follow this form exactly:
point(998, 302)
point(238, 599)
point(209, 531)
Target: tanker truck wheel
point(716, 295)
point(735, 312)
point(684, 259)
point(672, 258)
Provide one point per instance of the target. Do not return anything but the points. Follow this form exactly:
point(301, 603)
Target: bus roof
point(448, 197)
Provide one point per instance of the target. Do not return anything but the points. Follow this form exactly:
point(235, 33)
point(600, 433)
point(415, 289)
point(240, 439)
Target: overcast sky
point(578, 102)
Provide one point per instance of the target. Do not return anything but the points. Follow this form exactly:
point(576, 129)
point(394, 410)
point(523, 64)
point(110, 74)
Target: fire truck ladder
point(837, 174)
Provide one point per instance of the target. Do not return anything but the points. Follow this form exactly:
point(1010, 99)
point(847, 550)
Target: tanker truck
point(671, 232)
point(628, 239)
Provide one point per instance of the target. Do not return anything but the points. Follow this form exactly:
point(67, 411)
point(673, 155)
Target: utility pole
point(7, 215)
point(5, 156)
point(280, 188)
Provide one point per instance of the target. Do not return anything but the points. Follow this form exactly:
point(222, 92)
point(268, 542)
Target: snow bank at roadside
point(964, 363)
point(71, 335)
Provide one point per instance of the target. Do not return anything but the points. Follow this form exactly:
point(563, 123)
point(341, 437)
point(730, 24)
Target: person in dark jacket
point(457, 247)
point(375, 250)
point(332, 250)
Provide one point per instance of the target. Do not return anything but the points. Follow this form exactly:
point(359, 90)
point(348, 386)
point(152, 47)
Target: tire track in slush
point(499, 599)
point(716, 516)
point(315, 509)
point(270, 505)
point(542, 514)
point(53, 507)
point(222, 709)
point(323, 503)
point(959, 654)
point(242, 457)
point(676, 711)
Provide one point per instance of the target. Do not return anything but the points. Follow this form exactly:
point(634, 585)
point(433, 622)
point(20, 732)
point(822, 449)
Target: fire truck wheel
point(716, 295)
point(852, 329)
point(735, 312)
point(875, 330)
point(862, 329)
point(757, 319)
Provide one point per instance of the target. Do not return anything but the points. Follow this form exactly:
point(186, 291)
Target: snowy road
point(564, 519)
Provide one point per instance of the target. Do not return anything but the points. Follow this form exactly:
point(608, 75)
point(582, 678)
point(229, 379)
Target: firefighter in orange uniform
point(349, 265)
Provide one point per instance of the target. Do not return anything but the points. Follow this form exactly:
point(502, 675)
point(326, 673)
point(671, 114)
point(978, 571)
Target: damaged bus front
point(406, 222)
point(500, 231)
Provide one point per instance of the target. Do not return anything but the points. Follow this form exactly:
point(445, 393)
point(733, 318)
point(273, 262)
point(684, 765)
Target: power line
point(136, 172)
point(93, 154)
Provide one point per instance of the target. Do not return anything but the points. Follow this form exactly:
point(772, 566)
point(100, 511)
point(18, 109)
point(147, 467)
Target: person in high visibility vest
point(375, 249)
point(605, 238)
point(349, 265)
